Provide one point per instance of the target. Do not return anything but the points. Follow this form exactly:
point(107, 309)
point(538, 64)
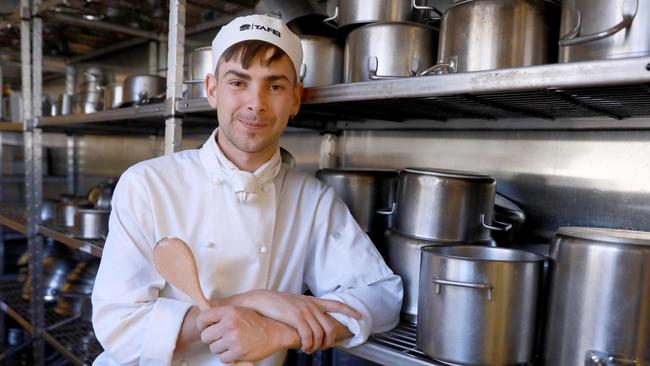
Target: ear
point(297, 98)
point(211, 90)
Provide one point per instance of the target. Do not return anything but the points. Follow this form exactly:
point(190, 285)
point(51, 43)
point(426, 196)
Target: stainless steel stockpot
point(112, 96)
point(322, 61)
point(599, 298)
point(388, 50)
point(90, 223)
point(604, 29)
point(66, 209)
point(491, 34)
point(445, 205)
point(139, 89)
point(199, 65)
point(349, 12)
point(404, 259)
point(364, 192)
point(478, 305)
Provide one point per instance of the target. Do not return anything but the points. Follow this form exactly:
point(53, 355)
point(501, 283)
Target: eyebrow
point(247, 77)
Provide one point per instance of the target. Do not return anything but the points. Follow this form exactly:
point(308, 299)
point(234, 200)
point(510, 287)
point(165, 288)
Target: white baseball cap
point(262, 28)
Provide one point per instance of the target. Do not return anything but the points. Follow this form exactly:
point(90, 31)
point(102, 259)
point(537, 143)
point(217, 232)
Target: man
point(262, 233)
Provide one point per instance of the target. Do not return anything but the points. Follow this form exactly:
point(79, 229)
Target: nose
point(256, 101)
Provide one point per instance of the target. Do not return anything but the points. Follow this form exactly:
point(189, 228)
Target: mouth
point(253, 125)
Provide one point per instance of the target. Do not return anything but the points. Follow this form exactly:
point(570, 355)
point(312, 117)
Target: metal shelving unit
point(613, 91)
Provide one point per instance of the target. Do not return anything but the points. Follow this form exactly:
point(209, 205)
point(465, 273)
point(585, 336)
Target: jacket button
point(336, 235)
point(263, 249)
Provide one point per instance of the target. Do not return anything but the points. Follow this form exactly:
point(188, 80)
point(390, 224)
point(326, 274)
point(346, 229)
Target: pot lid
point(507, 208)
point(614, 236)
point(449, 173)
point(358, 172)
point(458, 2)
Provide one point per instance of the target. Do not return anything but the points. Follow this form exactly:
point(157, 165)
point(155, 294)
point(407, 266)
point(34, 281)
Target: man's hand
point(236, 333)
point(306, 314)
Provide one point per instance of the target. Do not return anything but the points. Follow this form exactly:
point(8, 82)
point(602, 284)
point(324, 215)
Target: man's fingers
point(229, 356)
point(333, 306)
point(219, 346)
point(306, 336)
point(212, 333)
point(317, 334)
point(327, 325)
point(211, 316)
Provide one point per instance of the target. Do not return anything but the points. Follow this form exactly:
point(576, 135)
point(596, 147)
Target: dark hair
point(248, 51)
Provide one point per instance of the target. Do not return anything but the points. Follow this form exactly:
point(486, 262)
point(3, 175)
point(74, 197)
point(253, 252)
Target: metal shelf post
point(175, 56)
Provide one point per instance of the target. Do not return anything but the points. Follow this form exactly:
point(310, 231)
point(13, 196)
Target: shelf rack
point(69, 336)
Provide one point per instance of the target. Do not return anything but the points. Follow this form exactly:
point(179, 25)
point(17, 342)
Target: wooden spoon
point(175, 262)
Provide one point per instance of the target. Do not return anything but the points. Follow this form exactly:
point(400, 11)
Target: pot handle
point(477, 285)
point(443, 66)
point(333, 19)
point(373, 66)
point(501, 226)
point(430, 8)
point(600, 358)
point(387, 211)
point(573, 38)
point(303, 71)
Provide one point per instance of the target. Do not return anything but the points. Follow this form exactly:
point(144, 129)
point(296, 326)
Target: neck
point(243, 160)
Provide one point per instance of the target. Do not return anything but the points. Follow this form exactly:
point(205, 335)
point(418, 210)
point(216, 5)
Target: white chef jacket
point(295, 235)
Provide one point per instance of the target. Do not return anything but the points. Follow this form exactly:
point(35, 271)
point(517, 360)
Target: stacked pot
point(385, 38)
point(462, 291)
point(90, 92)
point(365, 192)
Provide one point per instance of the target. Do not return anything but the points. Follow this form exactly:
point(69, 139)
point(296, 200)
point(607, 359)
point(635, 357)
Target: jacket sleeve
point(344, 265)
point(133, 324)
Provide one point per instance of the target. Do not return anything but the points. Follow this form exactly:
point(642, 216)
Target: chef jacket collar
point(245, 185)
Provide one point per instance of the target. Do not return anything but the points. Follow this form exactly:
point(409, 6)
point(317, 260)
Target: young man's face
point(253, 105)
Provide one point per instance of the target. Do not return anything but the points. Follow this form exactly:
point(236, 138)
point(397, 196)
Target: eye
point(236, 83)
point(276, 87)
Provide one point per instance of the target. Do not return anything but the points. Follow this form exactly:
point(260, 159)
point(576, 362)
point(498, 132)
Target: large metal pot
point(404, 260)
point(364, 192)
point(599, 301)
point(388, 50)
point(350, 12)
point(603, 29)
point(199, 65)
point(142, 89)
point(322, 61)
point(90, 223)
point(478, 305)
point(90, 95)
point(446, 205)
point(493, 34)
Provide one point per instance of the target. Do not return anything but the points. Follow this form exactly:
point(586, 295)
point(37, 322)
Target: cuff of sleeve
point(163, 326)
point(359, 328)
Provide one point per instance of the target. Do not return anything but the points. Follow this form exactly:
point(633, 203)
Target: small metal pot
point(90, 223)
point(446, 205)
point(492, 34)
point(77, 288)
point(64, 104)
point(66, 209)
point(112, 96)
point(350, 12)
point(478, 305)
point(198, 66)
point(604, 29)
point(55, 271)
point(364, 191)
point(322, 61)
point(388, 50)
point(142, 89)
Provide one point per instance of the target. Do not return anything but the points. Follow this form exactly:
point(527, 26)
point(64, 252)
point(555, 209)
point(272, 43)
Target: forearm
point(342, 332)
